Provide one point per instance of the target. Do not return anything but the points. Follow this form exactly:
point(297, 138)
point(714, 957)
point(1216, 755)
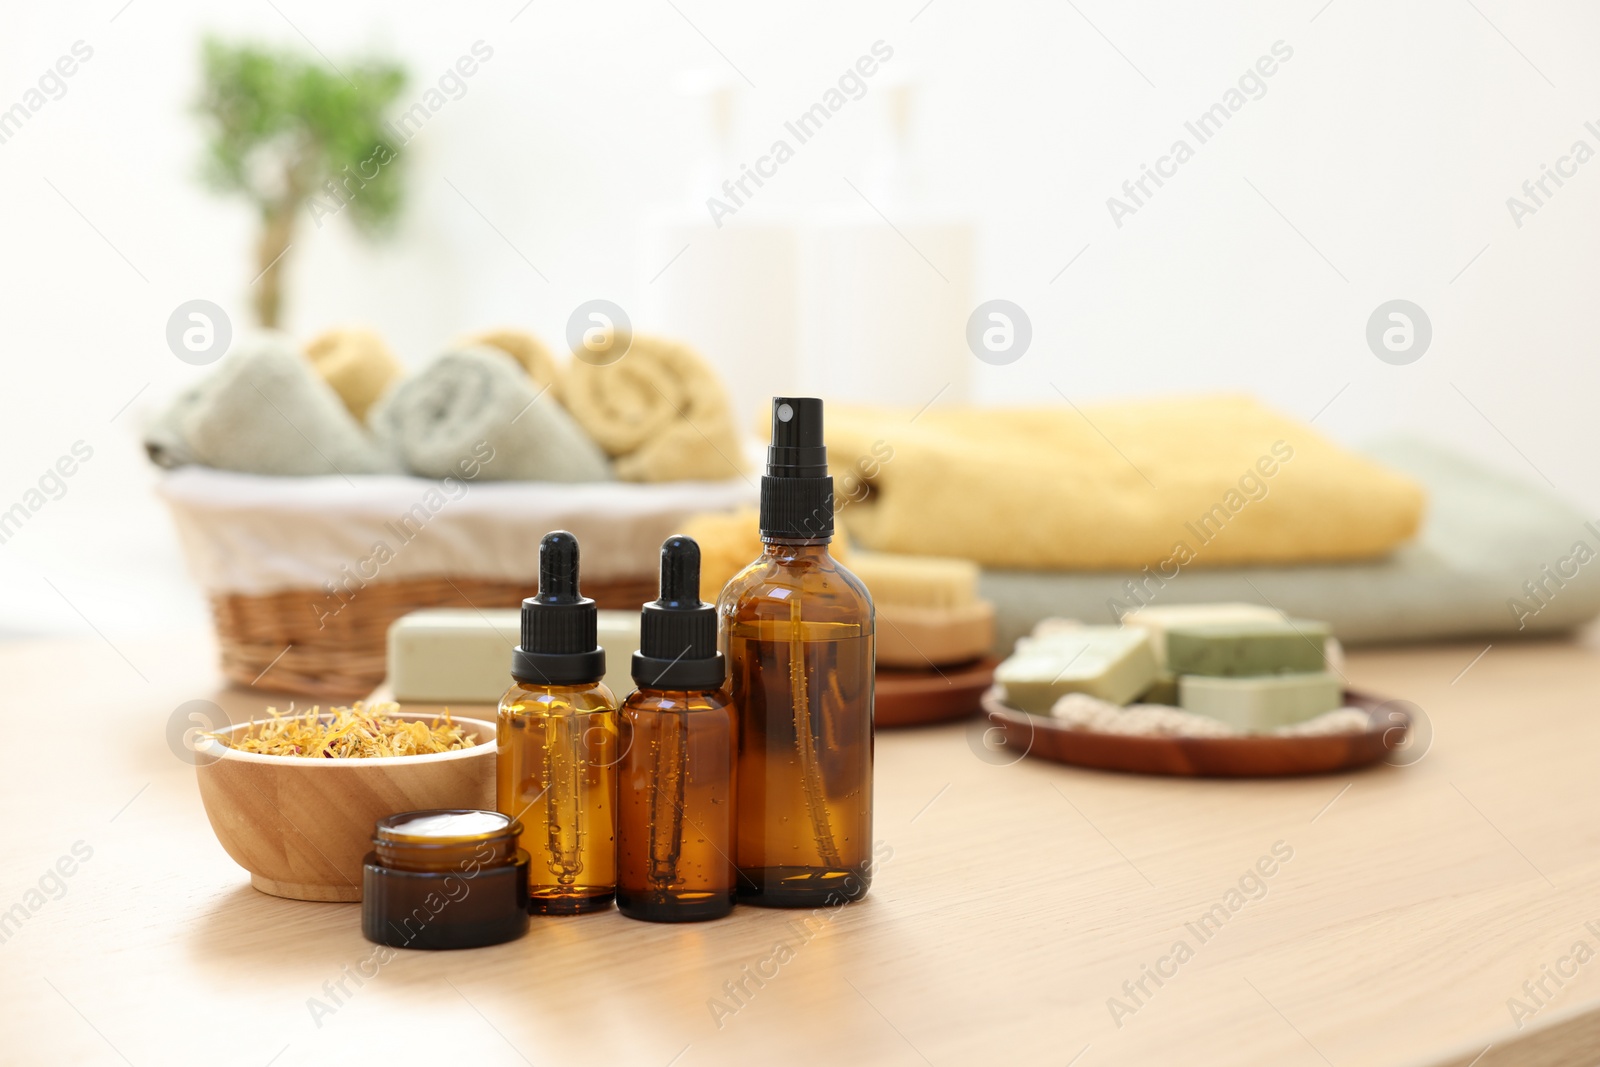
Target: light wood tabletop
point(1401, 915)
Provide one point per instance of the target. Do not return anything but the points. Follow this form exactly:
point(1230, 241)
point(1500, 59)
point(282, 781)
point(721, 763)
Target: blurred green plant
point(282, 129)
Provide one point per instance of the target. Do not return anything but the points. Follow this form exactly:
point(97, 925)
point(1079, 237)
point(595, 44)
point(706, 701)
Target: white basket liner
point(250, 534)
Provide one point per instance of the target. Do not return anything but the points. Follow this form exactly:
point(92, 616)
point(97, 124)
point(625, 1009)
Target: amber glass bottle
point(675, 783)
point(556, 764)
point(798, 632)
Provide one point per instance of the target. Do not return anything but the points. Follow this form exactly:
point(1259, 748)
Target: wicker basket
point(287, 642)
point(303, 600)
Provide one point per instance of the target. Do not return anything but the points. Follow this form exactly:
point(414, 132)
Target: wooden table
point(1017, 902)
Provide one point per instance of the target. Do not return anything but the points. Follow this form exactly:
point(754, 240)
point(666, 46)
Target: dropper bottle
point(556, 763)
point(798, 631)
point(675, 786)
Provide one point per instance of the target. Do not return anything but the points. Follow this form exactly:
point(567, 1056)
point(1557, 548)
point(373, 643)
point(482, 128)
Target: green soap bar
point(1262, 703)
point(1110, 662)
point(1235, 649)
point(1161, 618)
point(1164, 690)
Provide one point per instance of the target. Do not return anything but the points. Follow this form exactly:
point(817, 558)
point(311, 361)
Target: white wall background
point(1390, 141)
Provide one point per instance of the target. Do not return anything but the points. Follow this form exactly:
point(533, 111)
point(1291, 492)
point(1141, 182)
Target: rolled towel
point(523, 347)
point(477, 402)
point(263, 411)
point(164, 442)
point(659, 411)
point(358, 365)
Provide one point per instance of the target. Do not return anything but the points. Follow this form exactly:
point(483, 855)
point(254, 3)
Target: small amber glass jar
point(445, 878)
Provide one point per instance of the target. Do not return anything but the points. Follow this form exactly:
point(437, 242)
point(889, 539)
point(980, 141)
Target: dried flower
point(357, 732)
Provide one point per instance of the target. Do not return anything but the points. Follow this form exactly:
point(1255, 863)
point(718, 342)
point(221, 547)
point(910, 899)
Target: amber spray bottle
point(675, 786)
point(556, 765)
point(798, 631)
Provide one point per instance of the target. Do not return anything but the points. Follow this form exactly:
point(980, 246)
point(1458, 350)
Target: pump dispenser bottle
point(675, 781)
point(556, 764)
point(798, 631)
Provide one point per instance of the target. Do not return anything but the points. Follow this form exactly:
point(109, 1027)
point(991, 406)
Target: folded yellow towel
point(660, 412)
point(1166, 483)
point(357, 363)
point(523, 347)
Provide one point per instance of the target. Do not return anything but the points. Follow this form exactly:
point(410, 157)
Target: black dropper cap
point(558, 624)
point(796, 491)
point(678, 632)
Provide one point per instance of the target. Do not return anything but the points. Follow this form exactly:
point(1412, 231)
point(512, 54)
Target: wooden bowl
point(1251, 756)
point(302, 826)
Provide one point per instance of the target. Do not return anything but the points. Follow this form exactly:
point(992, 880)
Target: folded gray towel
point(263, 410)
point(438, 423)
point(1487, 538)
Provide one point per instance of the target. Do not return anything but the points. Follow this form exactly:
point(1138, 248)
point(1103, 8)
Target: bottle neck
point(793, 549)
point(565, 689)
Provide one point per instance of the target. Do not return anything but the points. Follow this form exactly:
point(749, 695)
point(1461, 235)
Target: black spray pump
point(678, 632)
point(796, 491)
point(559, 645)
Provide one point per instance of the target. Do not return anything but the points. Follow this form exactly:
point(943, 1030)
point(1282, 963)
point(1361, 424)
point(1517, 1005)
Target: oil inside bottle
point(801, 689)
point(675, 807)
point(558, 755)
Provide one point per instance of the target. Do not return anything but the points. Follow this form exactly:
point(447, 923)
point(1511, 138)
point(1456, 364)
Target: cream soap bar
point(1109, 662)
point(463, 656)
point(1159, 620)
point(1238, 649)
point(1259, 704)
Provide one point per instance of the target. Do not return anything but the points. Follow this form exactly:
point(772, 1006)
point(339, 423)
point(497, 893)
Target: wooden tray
point(914, 698)
point(902, 698)
point(1209, 757)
